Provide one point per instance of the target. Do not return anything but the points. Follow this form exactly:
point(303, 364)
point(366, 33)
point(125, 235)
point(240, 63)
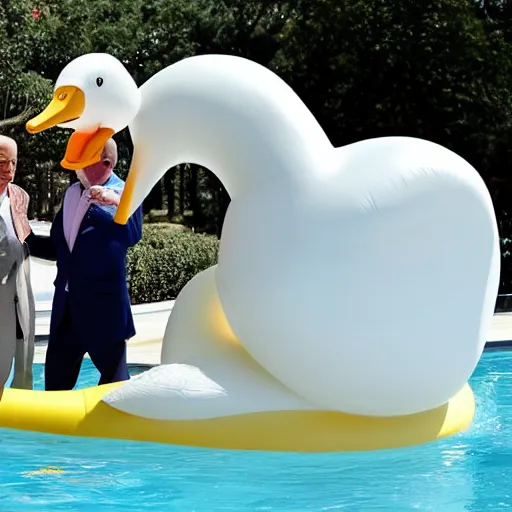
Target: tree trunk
point(192, 194)
point(16, 120)
point(169, 179)
point(182, 190)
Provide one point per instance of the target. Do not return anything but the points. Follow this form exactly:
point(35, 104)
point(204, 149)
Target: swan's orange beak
point(68, 104)
point(84, 148)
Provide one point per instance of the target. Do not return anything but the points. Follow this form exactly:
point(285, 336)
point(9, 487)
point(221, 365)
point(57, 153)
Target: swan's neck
point(231, 116)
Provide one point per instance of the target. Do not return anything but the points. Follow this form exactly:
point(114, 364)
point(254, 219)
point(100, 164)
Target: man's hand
point(103, 196)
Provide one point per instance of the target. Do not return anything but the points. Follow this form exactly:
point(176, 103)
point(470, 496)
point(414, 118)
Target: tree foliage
point(436, 69)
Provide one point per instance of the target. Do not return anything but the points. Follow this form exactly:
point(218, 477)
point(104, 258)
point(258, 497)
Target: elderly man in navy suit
point(91, 307)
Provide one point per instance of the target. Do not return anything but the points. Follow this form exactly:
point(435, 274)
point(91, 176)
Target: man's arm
point(131, 232)
point(40, 246)
point(134, 226)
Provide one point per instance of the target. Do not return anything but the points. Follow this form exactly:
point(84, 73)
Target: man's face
point(96, 174)
point(7, 164)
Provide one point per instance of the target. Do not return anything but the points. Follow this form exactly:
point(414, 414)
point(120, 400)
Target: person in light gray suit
point(17, 305)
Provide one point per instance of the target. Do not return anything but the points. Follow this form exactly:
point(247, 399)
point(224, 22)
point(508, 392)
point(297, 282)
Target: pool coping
point(146, 352)
point(151, 322)
point(489, 346)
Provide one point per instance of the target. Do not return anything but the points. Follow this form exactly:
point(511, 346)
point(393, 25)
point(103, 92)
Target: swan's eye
point(99, 81)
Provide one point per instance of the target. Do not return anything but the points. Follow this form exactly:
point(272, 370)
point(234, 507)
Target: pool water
point(468, 472)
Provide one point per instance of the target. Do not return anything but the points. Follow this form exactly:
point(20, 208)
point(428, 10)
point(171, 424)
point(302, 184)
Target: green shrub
point(165, 260)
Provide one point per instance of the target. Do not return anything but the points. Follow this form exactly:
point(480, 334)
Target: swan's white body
point(359, 279)
point(371, 268)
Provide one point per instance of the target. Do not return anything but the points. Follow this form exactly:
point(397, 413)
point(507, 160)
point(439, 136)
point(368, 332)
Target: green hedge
point(166, 258)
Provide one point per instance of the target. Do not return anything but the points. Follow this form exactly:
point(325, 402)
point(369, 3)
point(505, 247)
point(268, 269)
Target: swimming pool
point(468, 472)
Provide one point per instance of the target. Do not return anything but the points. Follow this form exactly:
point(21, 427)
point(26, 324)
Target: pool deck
point(145, 347)
point(500, 333)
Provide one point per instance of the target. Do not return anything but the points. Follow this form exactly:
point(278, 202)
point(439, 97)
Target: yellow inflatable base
point(83, 413)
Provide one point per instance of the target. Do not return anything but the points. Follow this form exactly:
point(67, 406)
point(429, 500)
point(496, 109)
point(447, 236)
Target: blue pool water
point(468, 472)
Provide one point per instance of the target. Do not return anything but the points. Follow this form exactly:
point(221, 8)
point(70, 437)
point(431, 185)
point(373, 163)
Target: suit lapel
point(75, 208)
point(19, 207)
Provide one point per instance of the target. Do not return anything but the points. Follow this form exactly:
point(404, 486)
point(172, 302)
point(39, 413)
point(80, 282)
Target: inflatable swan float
point(354, 289)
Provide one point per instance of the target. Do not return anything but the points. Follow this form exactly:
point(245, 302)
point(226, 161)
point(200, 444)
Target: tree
point(438, 69)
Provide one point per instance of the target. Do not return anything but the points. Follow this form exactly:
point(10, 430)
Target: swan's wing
point(213, 387)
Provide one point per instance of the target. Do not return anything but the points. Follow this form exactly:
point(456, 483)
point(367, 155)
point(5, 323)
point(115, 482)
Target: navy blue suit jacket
point(95, 271)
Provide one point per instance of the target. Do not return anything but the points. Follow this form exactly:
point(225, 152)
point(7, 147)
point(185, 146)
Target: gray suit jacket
point(25, 303)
